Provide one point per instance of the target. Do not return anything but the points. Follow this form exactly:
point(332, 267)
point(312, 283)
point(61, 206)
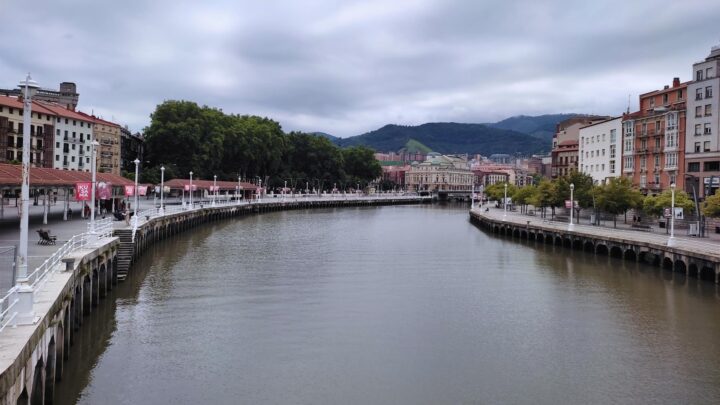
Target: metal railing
point(7, 304)
point(38, 277)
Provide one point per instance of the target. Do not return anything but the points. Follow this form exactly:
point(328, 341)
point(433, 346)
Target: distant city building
point(501, 158)
point(131, 148)
point(11, 132)
point(67, 96)
point(654, 140)
point(565, 144)
point(600, 150)
point(702, 143)
point(440, 173)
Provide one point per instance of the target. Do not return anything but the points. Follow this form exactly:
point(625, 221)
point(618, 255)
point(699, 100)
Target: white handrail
point(7, 304)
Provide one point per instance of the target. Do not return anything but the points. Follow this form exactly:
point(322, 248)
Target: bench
point(45, 237)
point(641, 227)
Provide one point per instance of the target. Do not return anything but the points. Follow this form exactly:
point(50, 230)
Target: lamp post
point(571, 225)
point(191, 191)
point(30, 87)
point(671, 239)
point(239, 188)
point(472, 197)
point(214, 189)
point(284, 188)
point(137, 168)
point(93, 169)
point(162, 189)
point(505, 204)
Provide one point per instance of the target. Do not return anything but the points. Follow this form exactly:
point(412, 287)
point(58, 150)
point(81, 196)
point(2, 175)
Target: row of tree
point(616, 197)
point(185, 137)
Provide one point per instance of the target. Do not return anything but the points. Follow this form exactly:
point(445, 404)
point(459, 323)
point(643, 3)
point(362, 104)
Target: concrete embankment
point(693, 256)
point(32, 354)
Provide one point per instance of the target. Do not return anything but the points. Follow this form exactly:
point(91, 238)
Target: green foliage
point(617, 196)
point(524, 195)
point(186, 137)
point(545, 195)
point(654, 205)
point(583, 192)
point(496, 191)
point(711, 206)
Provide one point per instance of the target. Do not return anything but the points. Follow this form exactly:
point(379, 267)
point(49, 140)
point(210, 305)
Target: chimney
point(667, 87)
point(676, 81)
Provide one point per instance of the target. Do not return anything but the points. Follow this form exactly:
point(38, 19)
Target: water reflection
point(394, 305)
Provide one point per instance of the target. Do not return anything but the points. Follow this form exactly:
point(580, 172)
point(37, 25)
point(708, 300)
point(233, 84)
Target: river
point(392, 305)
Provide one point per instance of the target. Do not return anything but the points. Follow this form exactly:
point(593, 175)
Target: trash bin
point(661, 224)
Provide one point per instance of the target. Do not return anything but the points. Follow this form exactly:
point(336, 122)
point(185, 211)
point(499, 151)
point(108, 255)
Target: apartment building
point(66, 96)
point(565, 144)
point(11, 132)
point(654, 139)
point(702, 143)
point(600, 150)
point(73, 138)
point(108, 135)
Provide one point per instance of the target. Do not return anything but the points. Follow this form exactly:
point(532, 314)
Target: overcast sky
point(349, 67)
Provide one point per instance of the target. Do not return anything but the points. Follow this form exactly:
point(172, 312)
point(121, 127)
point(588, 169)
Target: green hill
point(541, 126)
point(414, 146)
point(450, 137)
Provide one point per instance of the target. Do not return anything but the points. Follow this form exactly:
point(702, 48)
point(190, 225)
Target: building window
point(694, 167)
point(706, 146)
point(697, 147)
point(708, 92)
point(657, 179)
point(713, 166)
point(612, 166)
point(57, 145)
point(698, 129)
point(66, 121)
point(698, 111)
point(57, 132)
point(679, 95)
point(698, 94)
point(613, 136)
point(657, 144)
point(643, 162)
point(57, 158)
point(707, 129)
point(708, 110)
point(643, 181)
point(665, 98)
point(612, 151)
point(708, 73)
point(698, 75)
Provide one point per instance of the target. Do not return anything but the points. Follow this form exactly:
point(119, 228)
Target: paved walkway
point(701, 245)
point(710, 234)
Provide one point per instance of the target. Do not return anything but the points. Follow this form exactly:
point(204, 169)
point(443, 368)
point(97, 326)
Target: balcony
point(628, 169)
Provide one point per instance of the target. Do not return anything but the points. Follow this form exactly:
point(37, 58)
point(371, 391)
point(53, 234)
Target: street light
point(137, 168)
point(671, 240)
point(162, 189)
point(30, 87)
point(191, 191)
point(238, 193)
point(505, 204)
point(571, 225)
point(214, 189)
point(93, 169)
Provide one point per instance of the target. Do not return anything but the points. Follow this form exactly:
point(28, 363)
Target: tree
point(545, 196)
point(496, 191)
point(523, 196)
point(360, 164)
point(655, 205)
point(711, 206)
point(582, 193)
point(617, 196)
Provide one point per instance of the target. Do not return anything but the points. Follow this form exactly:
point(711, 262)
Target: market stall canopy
point(11, 176)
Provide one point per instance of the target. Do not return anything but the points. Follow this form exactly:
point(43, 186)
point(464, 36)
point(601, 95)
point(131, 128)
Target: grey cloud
point(346, 68)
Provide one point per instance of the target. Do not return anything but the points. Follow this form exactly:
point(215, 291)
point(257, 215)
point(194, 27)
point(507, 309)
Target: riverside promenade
point(39, 320)
point(697, 257)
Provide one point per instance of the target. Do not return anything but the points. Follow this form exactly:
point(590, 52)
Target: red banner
point(187, 187)
point(82, 191)
point(129, 191)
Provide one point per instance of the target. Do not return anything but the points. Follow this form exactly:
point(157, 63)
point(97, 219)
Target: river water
point(392, 305)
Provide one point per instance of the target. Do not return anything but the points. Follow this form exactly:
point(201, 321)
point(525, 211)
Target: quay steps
point(126, 251)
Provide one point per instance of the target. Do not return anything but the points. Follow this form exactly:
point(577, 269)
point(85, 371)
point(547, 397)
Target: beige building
point(108, 135)
point(440, 173)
